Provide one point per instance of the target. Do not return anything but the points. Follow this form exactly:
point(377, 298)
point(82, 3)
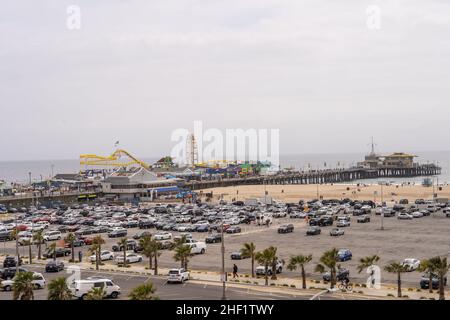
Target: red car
point(87, 240)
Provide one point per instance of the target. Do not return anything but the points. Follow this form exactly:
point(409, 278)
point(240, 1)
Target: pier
point(321, 176)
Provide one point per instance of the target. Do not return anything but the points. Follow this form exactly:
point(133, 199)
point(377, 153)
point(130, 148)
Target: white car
point(411, 263)
point(417, 214)
point(197, 247)
point(52, 235)
point(404, 216)
point(130, 258)
point(261, 270)
point(343, 223)
point(38, 282)
point(178, 275)
point(163, 236)
point(104, 255)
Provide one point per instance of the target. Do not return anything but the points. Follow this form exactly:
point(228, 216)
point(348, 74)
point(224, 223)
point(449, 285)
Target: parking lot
point(416, 238)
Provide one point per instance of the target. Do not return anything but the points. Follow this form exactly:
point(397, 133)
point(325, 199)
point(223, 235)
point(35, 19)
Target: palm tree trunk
point(39, 250)
point(97, 257)
point(124, 256)
point(73, 251)
point(266, 276)
point(430, 283)
point(332, 278)
point(441, 287)
point(156, 263)
point(399, 285)
point(253, 265)
point(29, 253)
point(303, 277)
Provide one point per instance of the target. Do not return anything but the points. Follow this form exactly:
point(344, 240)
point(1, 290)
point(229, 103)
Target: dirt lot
point(419, 238)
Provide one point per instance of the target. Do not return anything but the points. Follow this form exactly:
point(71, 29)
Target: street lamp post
point(29, 176)
point(224, 276)
point(382, 211)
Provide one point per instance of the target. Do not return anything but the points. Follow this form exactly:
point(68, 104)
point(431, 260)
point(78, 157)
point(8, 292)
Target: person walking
point(235, 271)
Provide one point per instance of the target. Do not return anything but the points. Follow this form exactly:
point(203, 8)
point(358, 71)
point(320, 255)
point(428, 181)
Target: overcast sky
point(138, 69)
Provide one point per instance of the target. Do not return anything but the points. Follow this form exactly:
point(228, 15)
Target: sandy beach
point(293, 193)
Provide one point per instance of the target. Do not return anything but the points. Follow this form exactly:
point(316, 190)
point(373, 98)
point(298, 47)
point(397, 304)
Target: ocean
point(18, 171)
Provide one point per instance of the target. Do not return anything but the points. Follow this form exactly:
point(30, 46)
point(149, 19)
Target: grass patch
point(390, 295)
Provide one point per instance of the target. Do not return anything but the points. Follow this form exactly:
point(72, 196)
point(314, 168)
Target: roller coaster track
point(112, 161)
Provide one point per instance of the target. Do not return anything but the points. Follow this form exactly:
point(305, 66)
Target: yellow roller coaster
point(112, 160)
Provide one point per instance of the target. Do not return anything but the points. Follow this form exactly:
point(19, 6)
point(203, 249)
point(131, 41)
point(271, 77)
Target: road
point(193, 290)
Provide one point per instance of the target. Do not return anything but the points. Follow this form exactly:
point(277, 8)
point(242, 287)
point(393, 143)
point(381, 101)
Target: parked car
point(344, 255)
point(178, 275)
point(141, 234)
point(9, 273)
point(425, 281)
point(197, 247)
point(59, 252)
point(335, 232)
point(214, 238)
point(363, 219)
point(412, 264)
point(237, 255)
point(76, 243)
point(54, 266)
point(261, 270)
point(286, 228)
point(130, 258)
point(341, 275)
point(81, 288)
point(343, 223)
point(11, 261)
point(404, 216)
point(131, 244)
point(104, 255)
point(233, 229)
point(52, 235)
point(117, 233)
point(38, 282)
point(417, 214)
point(312, 231)
point(163, 236)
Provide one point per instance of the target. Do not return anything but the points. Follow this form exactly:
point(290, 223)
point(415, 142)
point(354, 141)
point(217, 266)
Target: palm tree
point(300, 261)
point(441, 268)
point(123, 243)
point(249, 251)
point(156, 246)
point(329, 260)
point(58, 290)
point(52, 250)
point(70, 238)
point(95, 294)
point(38, 238)
point(398, 268)
point(146, 244)
point(428, 266)
point(96, 249)
point(182, 254)
point(367, 262)
point(143, 292)
point(23, 286)
point(267, 258)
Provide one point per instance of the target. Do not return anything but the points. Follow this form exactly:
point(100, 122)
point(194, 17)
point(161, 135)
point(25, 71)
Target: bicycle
point(343, 286)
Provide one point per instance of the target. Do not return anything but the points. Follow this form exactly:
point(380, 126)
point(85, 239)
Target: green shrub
point(364, 285)
point(390, 295)
point(410, 289)
point(272, 284)
point(285, 285)
point(293, 286)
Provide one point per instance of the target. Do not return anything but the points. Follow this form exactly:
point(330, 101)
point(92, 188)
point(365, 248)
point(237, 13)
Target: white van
point(197, 247)
point(52, 235)
point(80, 288)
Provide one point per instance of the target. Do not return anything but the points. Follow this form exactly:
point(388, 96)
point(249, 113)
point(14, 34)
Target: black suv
point(286, 228)
point(59, 252)
point(213, 238)
point(54, 266)
point(9, 273)
point(425, 281)
point(11, 262)
point(131, 244)
point(341, 275)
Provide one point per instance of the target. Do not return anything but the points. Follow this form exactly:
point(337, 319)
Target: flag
point(116, 144)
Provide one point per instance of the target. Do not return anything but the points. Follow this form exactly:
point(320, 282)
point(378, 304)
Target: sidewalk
point(282, 284)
